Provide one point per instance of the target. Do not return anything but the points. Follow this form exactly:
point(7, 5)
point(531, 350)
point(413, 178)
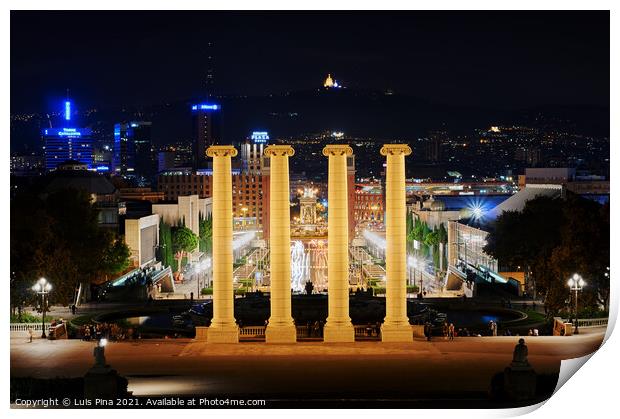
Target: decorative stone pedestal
point(519, 383)
point(281, 333)
point(201, 333)
point(224, 333)
point(396, 332)
point(338, 332)
point(102, 383)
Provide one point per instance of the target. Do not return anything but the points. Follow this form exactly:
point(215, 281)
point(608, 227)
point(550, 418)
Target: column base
point(281, 333)
point(223, 333)
point(338, 332)
point(396, 332)
point(201, 333)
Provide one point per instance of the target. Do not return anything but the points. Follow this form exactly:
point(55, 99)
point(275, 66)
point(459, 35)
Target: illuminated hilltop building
point(330, 83)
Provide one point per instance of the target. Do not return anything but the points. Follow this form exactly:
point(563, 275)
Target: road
point(302, 370)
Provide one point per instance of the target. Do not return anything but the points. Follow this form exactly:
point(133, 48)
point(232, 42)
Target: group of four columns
point(281, 327)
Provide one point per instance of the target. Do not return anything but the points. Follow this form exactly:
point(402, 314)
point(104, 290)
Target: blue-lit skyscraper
point(132, 154)
point(67, 142)
point(62, 144)
point(207, 130)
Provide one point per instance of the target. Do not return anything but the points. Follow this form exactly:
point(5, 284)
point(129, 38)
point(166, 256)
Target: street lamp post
point(576, 283)
point(42, 287)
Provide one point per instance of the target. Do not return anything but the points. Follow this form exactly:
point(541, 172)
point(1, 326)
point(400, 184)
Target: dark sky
point(500, 59)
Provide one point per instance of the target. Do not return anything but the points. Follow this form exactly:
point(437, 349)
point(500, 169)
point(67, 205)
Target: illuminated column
point(396, 326)
point(338, 327)
point(281, 328)
point(223, 328)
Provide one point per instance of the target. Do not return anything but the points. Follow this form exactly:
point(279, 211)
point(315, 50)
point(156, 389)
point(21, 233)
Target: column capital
point(337, 150)
point(221, 151)
point(279, 150)
point(395, 149)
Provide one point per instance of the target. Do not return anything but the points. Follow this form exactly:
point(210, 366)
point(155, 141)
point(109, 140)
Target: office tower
point(132, 149)
point(62, 144)
point(207, 131)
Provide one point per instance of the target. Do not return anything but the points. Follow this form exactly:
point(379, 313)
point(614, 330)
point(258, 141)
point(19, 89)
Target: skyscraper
point(62, 144)
point(132, 149)
point(67, 143)
point(207, 130)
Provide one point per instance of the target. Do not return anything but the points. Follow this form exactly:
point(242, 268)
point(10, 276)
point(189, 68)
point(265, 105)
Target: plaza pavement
point(303, 370)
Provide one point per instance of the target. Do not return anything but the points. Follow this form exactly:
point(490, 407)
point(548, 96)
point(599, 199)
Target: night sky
point(499, 59)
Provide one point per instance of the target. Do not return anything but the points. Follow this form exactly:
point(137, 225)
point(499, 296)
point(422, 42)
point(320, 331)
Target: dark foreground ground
point(365, 374)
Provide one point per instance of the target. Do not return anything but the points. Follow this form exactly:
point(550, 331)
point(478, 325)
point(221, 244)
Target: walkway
point(302, 370)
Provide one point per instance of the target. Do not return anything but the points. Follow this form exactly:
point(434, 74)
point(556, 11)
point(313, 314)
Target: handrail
point(23, 327)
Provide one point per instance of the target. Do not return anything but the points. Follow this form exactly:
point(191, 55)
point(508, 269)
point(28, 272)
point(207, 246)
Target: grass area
point(534, 316)
point(29, 318)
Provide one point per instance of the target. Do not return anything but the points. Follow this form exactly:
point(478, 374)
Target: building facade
point(62, 144)
point(206, 131)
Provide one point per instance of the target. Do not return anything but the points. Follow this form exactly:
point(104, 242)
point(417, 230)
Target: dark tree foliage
point(551, 239)
point(57, 236)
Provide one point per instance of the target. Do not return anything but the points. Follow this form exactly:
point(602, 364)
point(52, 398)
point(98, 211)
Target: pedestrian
point(494, 330)
point(445, 330)
point(30, 334)
point(451, 331)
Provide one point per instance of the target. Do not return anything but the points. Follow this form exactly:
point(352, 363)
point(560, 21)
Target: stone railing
point(367, 331)
point(23, 327)
point(586, 323)
point(252, 331)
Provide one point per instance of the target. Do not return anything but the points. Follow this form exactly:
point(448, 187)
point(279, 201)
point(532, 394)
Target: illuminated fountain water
point(308, 263)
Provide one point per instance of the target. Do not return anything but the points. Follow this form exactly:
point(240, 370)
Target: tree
point(205, 225)
point(183, 242)
point(57, 236)
point(551, 239)
point(165, 243)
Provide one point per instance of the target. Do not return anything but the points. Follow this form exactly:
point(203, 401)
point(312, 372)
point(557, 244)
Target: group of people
point(109, 331)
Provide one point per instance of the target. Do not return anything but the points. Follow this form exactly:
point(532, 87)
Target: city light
point(375, 239)
point(260, 137)
point(205, 107)
point(243, 239)
point(68, 110)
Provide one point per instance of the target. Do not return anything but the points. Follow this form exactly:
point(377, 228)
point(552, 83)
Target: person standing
point(30, 334)
point(451, 331)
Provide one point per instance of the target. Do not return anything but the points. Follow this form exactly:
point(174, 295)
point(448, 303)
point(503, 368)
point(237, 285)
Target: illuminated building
point(132, 153)
point(368, 205)
point(331, 83)
point(26, 165)
point(248, 195)
point(207, 131)
point(67, 142)
point(252, 151)
point(62, 144)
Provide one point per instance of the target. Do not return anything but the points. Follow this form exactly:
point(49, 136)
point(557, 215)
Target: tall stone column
point(338, 327)
point(281, 328)
point(223, 328)
point(396, 326)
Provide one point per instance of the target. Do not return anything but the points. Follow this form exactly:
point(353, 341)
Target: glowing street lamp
point(42, 287)
point(576, 283)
